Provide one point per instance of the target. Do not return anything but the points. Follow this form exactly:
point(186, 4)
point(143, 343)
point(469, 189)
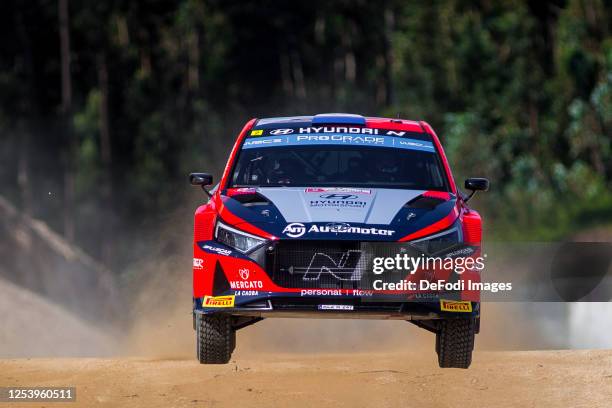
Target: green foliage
point(519, 92)
point(536, 125)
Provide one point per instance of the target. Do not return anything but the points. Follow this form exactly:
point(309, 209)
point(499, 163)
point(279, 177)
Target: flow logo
point(295, 230)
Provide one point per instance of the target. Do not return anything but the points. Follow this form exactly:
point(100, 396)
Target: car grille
point(331, 264)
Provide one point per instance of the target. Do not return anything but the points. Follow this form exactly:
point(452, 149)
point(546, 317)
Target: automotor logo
point(295, 230)
point(344, 228)
point(334, 227)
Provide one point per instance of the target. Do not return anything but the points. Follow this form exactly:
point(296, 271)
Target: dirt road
point(496, 379)
point(290, 363)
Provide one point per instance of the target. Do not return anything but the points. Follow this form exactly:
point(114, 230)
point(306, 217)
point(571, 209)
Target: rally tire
point(215, 339)
point(455, 342)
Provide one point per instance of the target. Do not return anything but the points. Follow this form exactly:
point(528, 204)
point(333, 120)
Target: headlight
point(438, 242)
point(236, 239)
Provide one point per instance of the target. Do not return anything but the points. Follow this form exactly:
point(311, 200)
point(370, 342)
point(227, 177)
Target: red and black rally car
point(337, 216)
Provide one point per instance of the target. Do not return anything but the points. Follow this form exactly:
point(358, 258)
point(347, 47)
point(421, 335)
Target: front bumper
point(305, 279)
point(284, 306)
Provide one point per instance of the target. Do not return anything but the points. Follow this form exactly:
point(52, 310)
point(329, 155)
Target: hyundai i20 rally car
point(337, 216)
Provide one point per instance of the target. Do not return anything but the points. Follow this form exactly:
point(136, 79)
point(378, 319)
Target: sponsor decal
point(336, 307)
point(462, 252)
point(240, 191)
point(337, 190)
point(244, 273)
point(351, 130)
point(455, 306)
point(246, 284)
point(297, 229)
point(247, 293)
point(217, 250)
point(349, 139)
point(294, 230)
point(415, 144)
point(260, 142)
point(281, 131)
point(345, 269)
point(198, 263)
point(339, 204)
point(366, 137)
point(330, 129)
point(361, 292)
point(218, 301)
point(338, 196)
point(338, 200)
point(344, 228)
point(422, 296)
point(321, 292)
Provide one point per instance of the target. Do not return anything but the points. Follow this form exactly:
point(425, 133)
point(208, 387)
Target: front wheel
point(215, 338)
point(455, 342)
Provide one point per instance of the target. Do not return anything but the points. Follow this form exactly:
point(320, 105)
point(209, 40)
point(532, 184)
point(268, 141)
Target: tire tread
point(455, 342)
point(215, 338)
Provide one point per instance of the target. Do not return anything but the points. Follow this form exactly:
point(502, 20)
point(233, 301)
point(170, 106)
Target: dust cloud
point(34, 327)
point(161, 327)
point(156, 320)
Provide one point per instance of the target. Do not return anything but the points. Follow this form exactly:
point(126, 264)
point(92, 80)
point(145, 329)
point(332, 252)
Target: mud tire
point(215, 338)
point(455, 342)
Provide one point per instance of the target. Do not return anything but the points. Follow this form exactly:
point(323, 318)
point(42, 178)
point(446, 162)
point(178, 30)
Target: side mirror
point(476, 184)
point(202, 180)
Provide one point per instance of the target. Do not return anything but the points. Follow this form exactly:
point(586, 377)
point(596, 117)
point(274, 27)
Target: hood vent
point(251, 199)
point(428, 200)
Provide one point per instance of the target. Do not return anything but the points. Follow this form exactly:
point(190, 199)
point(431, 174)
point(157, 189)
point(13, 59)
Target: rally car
point(324, 216)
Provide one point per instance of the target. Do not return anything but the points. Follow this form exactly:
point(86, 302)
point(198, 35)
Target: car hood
point(287, 211)
point(365, 206)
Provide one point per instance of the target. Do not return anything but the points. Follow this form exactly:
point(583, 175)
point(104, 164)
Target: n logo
point(345, 269)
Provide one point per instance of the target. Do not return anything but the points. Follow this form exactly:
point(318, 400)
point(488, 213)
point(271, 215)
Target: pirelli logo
point(218, 301)
point(456, 306)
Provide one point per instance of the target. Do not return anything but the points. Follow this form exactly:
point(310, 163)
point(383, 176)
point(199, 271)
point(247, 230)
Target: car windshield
point(333, 165)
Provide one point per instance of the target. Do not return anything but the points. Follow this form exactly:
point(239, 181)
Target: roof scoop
point(338, 118)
